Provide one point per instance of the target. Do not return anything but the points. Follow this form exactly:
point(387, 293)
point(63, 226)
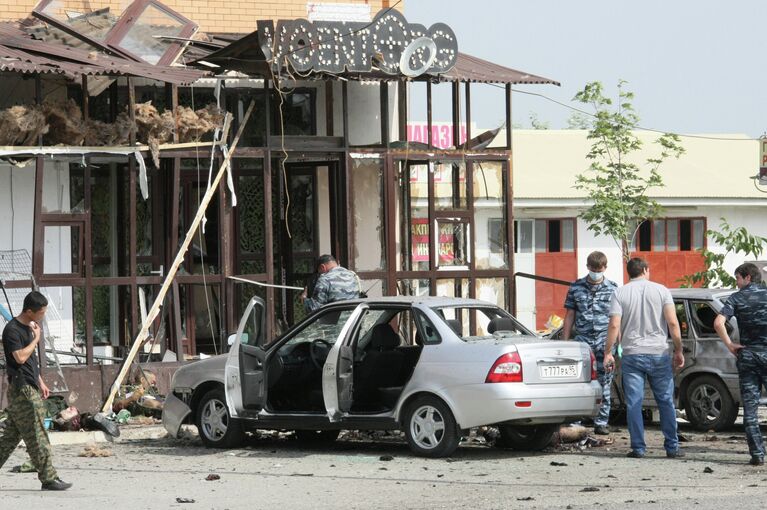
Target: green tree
point(613, 182)
point(536, 123)
point(578, 120)
point(732, 241)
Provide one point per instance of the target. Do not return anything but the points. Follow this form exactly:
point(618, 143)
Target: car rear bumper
point(490, 403)
point(174, 412)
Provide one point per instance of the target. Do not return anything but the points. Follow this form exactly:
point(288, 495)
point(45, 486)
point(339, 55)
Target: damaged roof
point(20, 53)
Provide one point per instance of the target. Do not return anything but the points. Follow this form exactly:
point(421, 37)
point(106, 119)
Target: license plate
point(570, 370)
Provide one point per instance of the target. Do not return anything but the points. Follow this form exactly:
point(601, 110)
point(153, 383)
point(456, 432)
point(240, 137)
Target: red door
point(555, 257)
point(669, 267)
point(550, 297)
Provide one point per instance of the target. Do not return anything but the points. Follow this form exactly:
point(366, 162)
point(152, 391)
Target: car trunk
point(554, 362)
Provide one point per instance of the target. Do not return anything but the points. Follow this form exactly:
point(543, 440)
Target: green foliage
point(617, 186)
point(578, 120)
point(536, 123)
point(732, 241)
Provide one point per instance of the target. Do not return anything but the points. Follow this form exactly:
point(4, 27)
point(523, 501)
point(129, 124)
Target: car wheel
point(317, 436)
point(526, 437)
point(214, 423)
point(709, 405)
point(430, 428)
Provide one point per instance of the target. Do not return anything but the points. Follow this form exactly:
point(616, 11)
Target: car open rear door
point(337, 371)
point(245, 387)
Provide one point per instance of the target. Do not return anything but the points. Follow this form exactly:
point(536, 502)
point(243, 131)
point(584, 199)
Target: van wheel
point(709, 405)
point(526, 437)
point(430, 428)
point(214, 423)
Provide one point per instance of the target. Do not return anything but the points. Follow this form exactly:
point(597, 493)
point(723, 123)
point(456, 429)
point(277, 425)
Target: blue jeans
point(606, 381)
point(657, 370)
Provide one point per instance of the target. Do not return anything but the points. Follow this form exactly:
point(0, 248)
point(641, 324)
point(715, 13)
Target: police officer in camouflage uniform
point(588, 307)
point(26, 392)
point(749, 307)
point(335, 283)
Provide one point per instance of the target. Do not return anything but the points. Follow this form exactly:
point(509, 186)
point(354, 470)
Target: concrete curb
point(127, 433)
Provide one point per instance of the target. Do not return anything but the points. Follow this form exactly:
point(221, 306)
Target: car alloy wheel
point(216, 427)
point(430, 427)
point(215, 420)
point(709, 404)
point(427, 427)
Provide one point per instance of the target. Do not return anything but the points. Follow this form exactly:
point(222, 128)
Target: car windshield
point(478, 322)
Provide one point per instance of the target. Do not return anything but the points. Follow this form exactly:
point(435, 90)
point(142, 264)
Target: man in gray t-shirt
point(642, 313)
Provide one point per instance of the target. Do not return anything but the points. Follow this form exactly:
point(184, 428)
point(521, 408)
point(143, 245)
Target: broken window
point(147, 30)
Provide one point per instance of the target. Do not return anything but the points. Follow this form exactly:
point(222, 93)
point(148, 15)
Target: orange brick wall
point(212, 15)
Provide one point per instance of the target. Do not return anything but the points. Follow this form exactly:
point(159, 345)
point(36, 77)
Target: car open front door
point(244, 373)
point(337, 371)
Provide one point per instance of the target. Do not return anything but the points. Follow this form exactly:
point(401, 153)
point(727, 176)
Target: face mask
point(596, 276)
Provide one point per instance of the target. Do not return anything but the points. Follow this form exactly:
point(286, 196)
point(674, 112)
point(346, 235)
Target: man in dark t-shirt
point(26, 392)
point(749, 307)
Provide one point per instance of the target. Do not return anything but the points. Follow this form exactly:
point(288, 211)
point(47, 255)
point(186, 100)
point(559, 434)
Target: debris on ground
point(212, 477)
point(558, 464)
point(590, 489)
point(185, 500)
point(708, 470)
point(92, 450)
point(572, 433)
point(386, 458)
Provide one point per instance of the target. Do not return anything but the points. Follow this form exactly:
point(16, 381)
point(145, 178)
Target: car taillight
point(593, 366)
point(507, 368)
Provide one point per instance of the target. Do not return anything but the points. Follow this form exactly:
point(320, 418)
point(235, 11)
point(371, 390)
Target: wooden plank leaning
point(152, 314)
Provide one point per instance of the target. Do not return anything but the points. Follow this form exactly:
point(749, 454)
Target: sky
point(695, 66)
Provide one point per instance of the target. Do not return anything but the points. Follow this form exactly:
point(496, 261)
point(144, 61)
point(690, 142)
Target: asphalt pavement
point(361, 471)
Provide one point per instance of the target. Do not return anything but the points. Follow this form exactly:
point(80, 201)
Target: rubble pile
point(63, 123)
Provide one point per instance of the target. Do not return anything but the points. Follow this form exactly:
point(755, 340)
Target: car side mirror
point(231, 339)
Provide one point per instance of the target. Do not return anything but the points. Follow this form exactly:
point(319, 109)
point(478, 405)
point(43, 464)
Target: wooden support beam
point(429, 121)
point(402, 109)
point(133, 267)
point(508, 116)
point(384, 93)
point(456, 107)
point(468, 112)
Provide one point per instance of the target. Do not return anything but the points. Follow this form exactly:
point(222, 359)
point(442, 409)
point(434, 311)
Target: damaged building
point(110, 131)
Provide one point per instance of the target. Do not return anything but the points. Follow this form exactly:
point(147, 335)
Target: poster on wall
point(419, 230)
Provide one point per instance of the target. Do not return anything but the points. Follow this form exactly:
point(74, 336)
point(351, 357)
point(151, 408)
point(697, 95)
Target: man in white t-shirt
point(643, 314)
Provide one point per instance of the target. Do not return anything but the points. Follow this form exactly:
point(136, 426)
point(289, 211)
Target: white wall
point(16, 208)
point(16, 232)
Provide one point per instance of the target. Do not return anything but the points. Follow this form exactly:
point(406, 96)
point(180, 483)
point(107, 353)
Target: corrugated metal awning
point(472, 69)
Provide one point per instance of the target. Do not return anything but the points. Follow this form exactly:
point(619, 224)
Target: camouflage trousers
point(26, 415)
point(752, 370)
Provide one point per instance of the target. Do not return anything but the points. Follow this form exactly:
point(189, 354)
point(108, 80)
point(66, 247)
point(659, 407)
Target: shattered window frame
point(132, 14)
point(111, 43)
point(40, 13)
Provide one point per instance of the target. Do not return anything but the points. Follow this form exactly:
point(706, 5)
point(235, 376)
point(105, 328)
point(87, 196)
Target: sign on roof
point(389, 43)
point(316, 11)
point(763, 161)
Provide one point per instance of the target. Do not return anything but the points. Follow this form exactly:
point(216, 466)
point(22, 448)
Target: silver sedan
point(432, 367)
